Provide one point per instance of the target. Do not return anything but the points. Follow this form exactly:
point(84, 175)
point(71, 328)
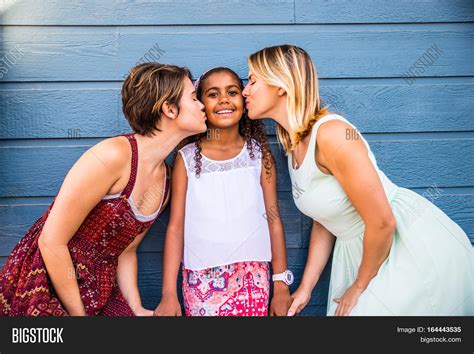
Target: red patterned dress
point(25, 287)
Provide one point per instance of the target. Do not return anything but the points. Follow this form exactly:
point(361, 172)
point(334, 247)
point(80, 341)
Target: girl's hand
point(347, 301)
point(300, 299)
point(281, 300)
point(169, 306)
point(141, 311)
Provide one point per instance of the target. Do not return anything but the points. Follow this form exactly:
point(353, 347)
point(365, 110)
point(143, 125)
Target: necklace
point(295, 164)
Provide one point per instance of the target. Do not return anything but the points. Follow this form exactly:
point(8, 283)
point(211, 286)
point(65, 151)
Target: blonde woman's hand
point(300, 299)
point(347, 301)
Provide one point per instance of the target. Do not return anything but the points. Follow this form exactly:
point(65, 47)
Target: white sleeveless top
point(225, 213)
point(321, 197)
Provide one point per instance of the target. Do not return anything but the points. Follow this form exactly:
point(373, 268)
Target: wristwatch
point(287, 277)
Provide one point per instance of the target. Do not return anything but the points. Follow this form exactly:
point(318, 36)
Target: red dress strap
point(167, 183)
point(133, 173)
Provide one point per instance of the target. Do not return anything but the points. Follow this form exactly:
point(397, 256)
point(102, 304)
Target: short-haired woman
point(80, 257)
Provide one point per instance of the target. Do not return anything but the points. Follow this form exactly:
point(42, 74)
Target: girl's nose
point(224, 99)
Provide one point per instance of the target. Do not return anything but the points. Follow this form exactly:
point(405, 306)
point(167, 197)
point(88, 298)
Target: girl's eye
point(233, 93)
point(212, 95)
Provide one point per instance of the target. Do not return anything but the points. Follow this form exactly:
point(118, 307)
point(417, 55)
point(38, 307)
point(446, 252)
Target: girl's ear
point(169, 110)
point(281, 92)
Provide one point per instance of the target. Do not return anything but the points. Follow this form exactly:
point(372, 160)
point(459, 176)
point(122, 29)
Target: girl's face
point(191, 117)
point(260, 98)
point(223, 101)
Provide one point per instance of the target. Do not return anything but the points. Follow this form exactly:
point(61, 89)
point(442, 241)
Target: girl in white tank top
point(224, 225)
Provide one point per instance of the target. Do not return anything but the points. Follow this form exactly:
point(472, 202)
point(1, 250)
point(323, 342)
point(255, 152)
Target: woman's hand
point(300, 299)
point(141, 311)
point(281, 300)
point(169, 306)
point(347, 301)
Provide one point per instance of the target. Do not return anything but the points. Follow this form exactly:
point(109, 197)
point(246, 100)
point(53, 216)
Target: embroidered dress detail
point(239, 289)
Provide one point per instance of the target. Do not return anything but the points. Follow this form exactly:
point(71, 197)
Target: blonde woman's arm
point(349, 162)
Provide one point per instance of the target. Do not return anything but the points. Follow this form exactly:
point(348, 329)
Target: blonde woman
point(395, 253)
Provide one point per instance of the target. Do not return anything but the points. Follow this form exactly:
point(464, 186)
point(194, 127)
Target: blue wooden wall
point(63, 62)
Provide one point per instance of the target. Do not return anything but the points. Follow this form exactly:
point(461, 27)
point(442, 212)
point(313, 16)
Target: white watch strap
point(278, 277)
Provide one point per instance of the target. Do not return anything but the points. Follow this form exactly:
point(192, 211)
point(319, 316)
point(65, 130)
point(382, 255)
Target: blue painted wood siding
point(63, 62)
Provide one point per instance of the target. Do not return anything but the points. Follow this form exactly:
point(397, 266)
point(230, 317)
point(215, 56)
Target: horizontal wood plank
point(37, 169)
point(162, 12)
point(187, 12)
point(383, 11)
point(39, 111)
point(46, 54)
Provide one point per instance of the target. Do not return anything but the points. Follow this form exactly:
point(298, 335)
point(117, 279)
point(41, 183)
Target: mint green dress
point(430, 267)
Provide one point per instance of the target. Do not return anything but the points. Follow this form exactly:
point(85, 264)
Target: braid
point(254, 130)
point(198, 157)
point(196, 139)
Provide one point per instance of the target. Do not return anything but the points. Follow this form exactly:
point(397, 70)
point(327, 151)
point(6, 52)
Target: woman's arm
point(320, 247)
point(84, 186)
point(174, 242)
point(281, 295)
point(348, 161)
point(127, 277)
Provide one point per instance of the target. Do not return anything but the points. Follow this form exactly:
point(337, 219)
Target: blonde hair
point(291, 68)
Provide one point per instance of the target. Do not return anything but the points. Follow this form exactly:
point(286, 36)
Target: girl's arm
point(281, 295)
point(127, 277)
point(174, 242)
point(348, 161)
point(84, 186)
point(320, 247)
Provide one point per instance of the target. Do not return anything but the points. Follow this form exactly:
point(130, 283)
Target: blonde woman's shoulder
point(333, 130)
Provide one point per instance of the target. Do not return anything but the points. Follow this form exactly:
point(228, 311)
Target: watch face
point(289, 277)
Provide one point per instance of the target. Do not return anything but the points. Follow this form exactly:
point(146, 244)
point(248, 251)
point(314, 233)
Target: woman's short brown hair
point(144, 91)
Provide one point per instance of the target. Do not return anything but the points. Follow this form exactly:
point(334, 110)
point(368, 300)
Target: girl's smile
point(225, 113)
